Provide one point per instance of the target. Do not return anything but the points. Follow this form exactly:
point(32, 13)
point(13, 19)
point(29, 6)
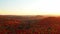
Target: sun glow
point(31, 7)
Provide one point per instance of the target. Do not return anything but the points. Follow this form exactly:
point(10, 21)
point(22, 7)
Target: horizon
point(30, 7)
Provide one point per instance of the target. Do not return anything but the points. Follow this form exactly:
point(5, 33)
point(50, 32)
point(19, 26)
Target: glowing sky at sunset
point(29, 7)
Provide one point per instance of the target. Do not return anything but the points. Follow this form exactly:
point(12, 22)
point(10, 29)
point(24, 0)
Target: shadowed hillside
point(10, 24)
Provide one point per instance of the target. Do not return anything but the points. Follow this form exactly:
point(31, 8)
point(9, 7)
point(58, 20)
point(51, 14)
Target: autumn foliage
point(21, 25)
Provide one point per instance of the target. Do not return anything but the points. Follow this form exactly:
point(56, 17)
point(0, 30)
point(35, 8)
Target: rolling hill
point(12, 24)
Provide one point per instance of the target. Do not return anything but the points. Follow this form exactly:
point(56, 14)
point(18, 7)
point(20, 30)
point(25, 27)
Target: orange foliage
point(15, 25)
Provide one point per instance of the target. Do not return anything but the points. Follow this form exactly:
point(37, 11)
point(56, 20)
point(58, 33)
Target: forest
point(10, 24)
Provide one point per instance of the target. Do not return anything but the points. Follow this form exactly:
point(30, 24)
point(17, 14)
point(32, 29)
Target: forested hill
point(10, 24)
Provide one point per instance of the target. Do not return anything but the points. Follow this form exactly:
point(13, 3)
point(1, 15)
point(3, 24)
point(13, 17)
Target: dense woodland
point(29, 25)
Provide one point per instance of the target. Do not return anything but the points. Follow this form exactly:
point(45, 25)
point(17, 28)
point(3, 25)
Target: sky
point(29, 7)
